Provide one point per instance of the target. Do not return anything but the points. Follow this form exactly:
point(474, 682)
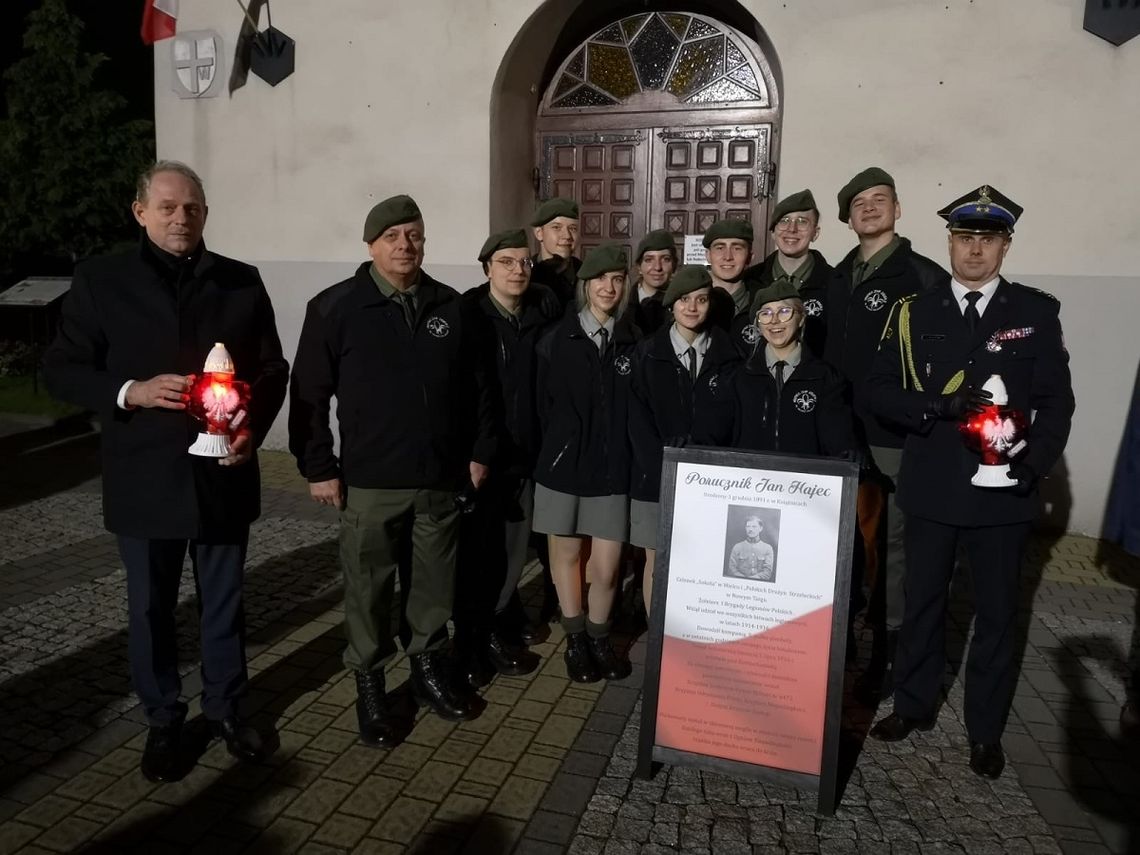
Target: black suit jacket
point(934, 482)
point(129, 316)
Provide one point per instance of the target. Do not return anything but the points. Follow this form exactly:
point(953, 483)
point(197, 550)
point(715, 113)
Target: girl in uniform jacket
point(682, 393)
point(582, 476)
point(786, 398)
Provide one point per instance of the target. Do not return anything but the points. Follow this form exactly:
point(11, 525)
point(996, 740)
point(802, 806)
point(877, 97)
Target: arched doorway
point(660, 120)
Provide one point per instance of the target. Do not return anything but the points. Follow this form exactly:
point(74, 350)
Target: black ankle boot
point(610, 664)
point(433, 687)
point(373, 718)
point(508, 659)
point(580, 665)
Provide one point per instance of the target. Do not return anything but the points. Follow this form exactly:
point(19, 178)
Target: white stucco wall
point(392, 97)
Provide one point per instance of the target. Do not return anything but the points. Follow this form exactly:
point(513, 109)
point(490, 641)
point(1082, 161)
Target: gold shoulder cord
point(906, 355)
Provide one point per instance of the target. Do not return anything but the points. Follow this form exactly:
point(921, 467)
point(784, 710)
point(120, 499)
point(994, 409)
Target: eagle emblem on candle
point(219, 401)
point(997, 434)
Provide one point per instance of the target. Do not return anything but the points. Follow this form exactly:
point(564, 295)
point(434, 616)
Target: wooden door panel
point(607, 173)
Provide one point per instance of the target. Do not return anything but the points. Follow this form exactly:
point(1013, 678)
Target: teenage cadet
point(555, 228)
point(682, 393)
point(656, 261)
point(795, 227)
point(938, 352)
point(881, 270)
point(582, 475)
point(510, 314)
point(728, 249)
point(416, 426)
point(787, 399)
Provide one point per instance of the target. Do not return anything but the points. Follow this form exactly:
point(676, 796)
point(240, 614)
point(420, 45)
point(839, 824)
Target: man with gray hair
point(135, 330)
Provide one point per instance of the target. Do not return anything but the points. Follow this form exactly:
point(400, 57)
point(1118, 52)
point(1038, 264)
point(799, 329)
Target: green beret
point(603, 259)
point(394, 211)
point(781, 289)
point(559, 206)
point(509, 239)
point(802, 201)
point(865, 180)
point(730, 229)
point(657, 239)
point(691, 277)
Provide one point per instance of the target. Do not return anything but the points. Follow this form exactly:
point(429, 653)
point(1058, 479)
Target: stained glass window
point(683, 55)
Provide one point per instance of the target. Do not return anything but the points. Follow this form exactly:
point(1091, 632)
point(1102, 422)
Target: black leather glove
point(1022, 479)
point(955, 405)
point(465, 499)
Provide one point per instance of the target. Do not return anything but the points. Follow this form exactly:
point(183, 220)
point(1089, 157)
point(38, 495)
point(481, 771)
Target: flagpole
point(252, 22)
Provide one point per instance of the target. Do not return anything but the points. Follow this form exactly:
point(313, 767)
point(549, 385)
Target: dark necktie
point(603, 340)
point(408, 303)
point(859, 273)
point(691, 355)
point(514, 322)
point(973, 318)
point(778, 368)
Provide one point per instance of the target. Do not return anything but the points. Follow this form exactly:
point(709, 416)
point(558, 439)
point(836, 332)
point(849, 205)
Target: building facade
point(668, 114)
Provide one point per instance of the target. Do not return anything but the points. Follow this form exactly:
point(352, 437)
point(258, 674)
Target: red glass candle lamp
point(997, 433)
point(220, 401)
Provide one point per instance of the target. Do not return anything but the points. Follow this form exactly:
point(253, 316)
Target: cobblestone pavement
point(548, 768)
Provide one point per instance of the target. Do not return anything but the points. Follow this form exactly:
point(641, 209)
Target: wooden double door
point(630, 181)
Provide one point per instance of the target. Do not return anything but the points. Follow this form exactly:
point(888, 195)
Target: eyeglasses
point(790, 224)
point(769, 316)
point(512, 264)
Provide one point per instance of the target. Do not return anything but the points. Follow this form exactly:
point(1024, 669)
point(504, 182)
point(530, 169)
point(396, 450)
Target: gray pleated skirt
point(643, 519)
point(558, 513)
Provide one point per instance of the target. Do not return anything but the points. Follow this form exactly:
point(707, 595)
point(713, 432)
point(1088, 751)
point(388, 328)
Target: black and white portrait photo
point(751, 543)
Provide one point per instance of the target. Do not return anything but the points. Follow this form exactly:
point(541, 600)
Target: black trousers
point(483, 557)
point(154, 570)
point(994, 554)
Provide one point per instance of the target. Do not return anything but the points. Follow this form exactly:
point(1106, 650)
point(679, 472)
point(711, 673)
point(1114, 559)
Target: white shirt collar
point(987, 291)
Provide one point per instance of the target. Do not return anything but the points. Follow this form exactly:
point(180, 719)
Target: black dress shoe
point(610, 664)
point(987, 759)
point(509, 660)
point(242, 741)
point(580, 664)
point(433, 687)
point(161, 759)
point(373, 717)
point(475, 667)
point(895, 728)
point(533, 633)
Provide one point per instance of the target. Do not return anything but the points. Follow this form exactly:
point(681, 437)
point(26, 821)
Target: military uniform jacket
point(813, 292)
point(668, 407)
point(562, 282)
point(857, 318)
point(131, 316)
point(583, 405)
point(812, 415)
point(413, 406)
point(753, 561)
point(722, 313)
point(513, 355)
point(934, 481)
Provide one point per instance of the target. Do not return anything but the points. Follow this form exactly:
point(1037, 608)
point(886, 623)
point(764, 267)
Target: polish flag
point(158, 21)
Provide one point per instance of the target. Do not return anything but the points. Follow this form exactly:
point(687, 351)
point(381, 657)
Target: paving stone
point(560, 730)
point(535, 766)
point(285, 835)
point(262, 811)
point(319, 801)
point(369, 846)
point(568, 794)
point(48, 811)
point(507, 744)
point(517, 798)
point(371, 797)
point(342, 831)
point(13, 835)
point(455, 751)
point(403, 820)
point(433, 781)
point(68, 834)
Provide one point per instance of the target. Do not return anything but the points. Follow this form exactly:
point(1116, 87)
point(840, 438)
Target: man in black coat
point(937, 353)
point(394, 347)
point(136, 328)
point(875, 275)
point(509, 315)
point(728, 250)
point(555, 227)
point(795, 227)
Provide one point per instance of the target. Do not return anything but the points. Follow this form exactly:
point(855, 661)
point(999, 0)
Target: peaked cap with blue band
point(982, 210)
